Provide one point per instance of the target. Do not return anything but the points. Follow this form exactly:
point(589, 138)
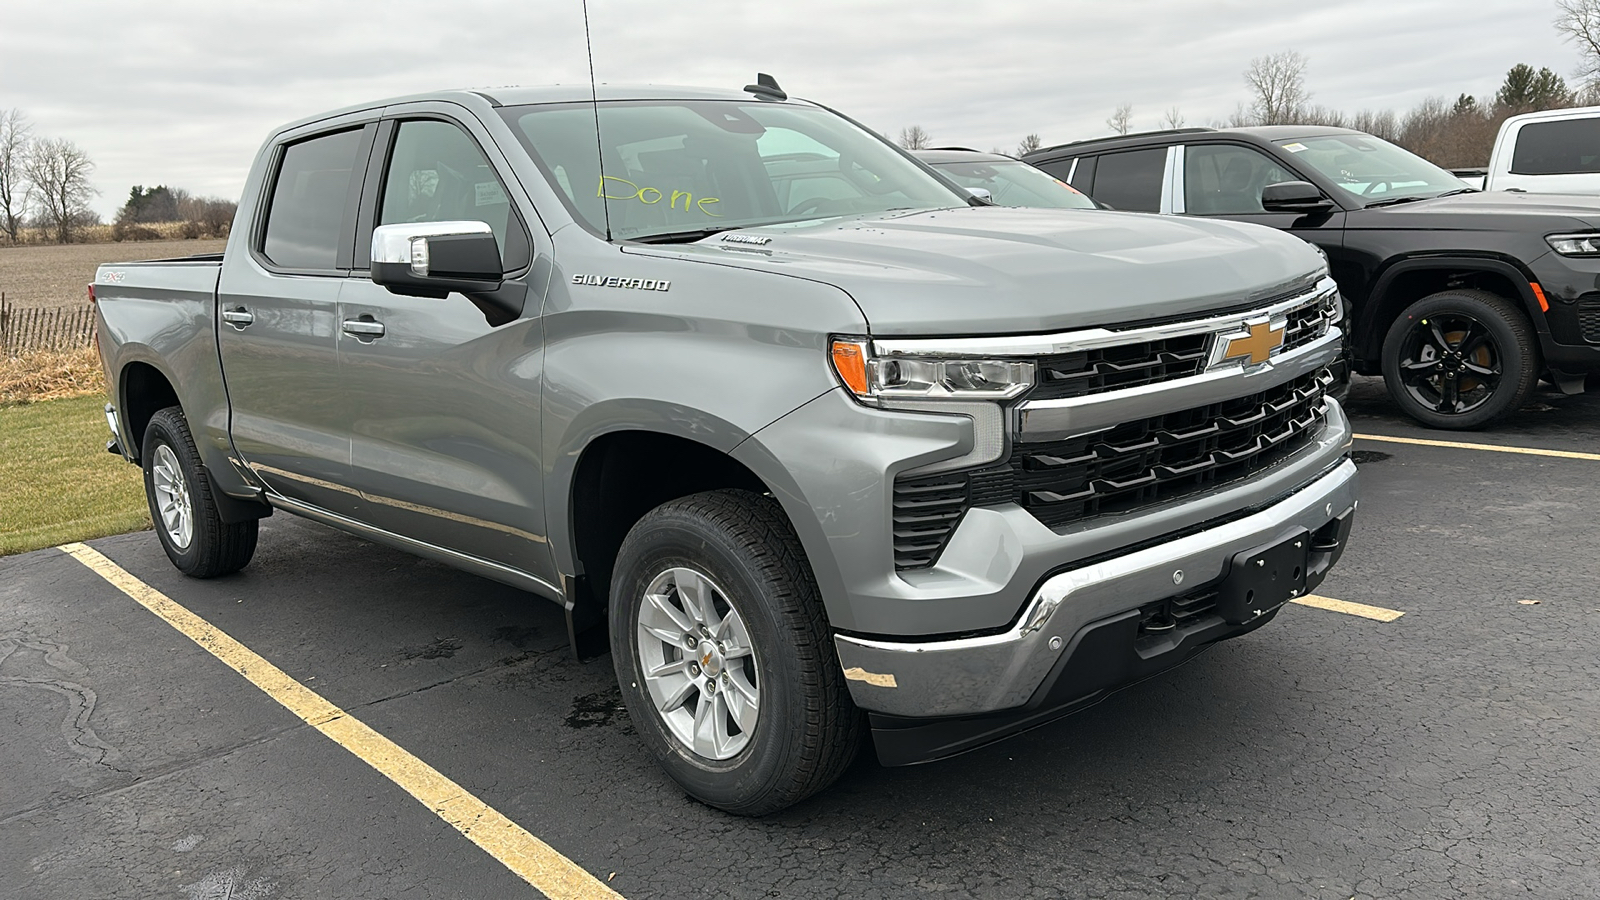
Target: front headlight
point(1574, 244)
point(884, 378)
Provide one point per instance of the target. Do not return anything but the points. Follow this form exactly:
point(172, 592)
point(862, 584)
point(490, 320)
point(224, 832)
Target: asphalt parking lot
point(1448, 753)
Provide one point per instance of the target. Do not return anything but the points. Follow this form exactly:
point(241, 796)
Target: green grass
point(57, 482)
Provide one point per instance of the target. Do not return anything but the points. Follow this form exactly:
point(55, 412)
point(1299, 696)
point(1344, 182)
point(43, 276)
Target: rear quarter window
point(1131, 180)
point(1571, 147)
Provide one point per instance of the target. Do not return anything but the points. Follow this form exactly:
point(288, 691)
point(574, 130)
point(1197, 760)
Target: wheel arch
point(143, 389)
point(1406, 281)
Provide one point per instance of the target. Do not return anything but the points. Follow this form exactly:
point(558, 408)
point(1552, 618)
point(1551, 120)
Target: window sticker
point(490, 193)
point(1295, 147)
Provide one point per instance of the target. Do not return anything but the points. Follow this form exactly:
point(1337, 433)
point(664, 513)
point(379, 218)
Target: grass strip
point(57, 482)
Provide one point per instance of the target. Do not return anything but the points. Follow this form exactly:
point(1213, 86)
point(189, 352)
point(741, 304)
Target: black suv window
point(1131, 180)
point(437, 173)
point(310, 199)
point(1225, 179)
point(1557, 148)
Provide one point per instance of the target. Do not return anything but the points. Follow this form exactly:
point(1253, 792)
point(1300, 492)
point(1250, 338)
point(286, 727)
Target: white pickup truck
point(1555, 151)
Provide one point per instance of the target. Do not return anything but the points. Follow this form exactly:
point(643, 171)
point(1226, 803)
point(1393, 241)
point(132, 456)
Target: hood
point(1486, 211)
point(1001, 270)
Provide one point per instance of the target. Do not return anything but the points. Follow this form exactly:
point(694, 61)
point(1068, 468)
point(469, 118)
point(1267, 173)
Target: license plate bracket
point(1264, 578)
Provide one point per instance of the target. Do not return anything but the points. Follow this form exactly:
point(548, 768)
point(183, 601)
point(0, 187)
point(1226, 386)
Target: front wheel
point(1460, 359)
point(196, 539)
point(724, 657)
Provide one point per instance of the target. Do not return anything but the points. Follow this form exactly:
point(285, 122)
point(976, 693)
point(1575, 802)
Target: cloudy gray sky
point(181, 92)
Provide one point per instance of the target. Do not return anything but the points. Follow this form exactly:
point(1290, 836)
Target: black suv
point(1461, 299)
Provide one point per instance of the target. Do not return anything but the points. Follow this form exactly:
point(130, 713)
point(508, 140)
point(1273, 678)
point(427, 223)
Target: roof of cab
point(551, 93)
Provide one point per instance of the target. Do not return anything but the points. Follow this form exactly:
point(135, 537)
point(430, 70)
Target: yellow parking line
point(1494, 448)
point(1348, 608)
point(526, 856)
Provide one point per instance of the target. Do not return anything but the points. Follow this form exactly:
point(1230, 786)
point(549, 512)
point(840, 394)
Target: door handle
point(363, 328)
point(238, 318)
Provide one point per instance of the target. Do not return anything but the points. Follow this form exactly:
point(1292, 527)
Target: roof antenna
point(765, 86)
point(594, 103)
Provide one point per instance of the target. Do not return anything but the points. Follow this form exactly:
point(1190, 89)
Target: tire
point(196, 539)
point(805, 729)
point(1461, 359)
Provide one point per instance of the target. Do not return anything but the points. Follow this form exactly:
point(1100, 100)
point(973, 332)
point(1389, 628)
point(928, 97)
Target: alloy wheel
point(172, 498)
point(698, 662)
point(1450, 363)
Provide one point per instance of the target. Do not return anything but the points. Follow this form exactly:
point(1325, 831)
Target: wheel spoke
point(1418, 365)
point(675, 691)
point(668, 668)
point(664, 606)
point(1439, 340)
point(664, 635)
point(742, 709)
point(1449, 396)
point(1485, 371)
point(1476, 337)
point(697, 597)
point(705, 726)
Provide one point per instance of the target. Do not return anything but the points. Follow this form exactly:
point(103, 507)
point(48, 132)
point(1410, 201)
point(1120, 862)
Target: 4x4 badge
point(1257, 343)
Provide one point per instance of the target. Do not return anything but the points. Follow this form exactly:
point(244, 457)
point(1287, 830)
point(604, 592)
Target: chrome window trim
point(1180, 203)
point(1073, 169)
point(1094, 338)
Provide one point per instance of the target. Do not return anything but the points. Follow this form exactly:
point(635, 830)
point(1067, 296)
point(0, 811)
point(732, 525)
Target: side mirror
point(981, 193)
point(431, 259)
point(1294, 197)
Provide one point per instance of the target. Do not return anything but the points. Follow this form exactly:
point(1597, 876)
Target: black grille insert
point(1589, 317)
point(1128, 467)
point(1153, 460)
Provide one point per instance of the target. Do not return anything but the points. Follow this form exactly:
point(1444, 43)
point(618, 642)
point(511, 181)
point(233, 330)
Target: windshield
point(1371, 169)
point(676, 166)
point(1011, 183)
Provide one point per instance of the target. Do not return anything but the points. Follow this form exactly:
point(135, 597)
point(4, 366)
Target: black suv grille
point(1589, 318)
point(1125, 468)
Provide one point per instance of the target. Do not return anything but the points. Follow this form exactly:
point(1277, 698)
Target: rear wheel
point(196, 539)
point(1460, 359)
point(724, 657)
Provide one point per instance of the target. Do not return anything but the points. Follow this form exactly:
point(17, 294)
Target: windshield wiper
point(1392, 201)
point(683, 237)
point(1468, 190)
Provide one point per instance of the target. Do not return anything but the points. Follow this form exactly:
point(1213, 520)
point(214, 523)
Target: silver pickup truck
point(816, 443)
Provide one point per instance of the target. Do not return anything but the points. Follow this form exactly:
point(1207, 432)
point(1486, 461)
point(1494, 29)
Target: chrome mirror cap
point(398, 243)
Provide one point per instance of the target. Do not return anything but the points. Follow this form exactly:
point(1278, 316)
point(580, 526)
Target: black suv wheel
point(725, 660)
point(1460, 359)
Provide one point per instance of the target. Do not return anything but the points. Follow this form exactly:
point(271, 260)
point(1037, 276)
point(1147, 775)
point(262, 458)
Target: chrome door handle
point(238, 318)
point(363, 328)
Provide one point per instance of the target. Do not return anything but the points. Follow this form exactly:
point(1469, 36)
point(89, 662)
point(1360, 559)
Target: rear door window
point(312, 201)
point(1571, 147)
point(1131, 180)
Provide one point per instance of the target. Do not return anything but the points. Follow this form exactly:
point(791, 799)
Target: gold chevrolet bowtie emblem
point(1258, 344)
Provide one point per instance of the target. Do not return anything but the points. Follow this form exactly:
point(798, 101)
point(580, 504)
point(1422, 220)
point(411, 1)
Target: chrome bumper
point(968, 676)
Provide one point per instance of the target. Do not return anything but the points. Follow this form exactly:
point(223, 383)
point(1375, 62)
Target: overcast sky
point(181, 92)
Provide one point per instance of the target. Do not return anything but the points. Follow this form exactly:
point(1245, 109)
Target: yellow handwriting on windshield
point(627, 190)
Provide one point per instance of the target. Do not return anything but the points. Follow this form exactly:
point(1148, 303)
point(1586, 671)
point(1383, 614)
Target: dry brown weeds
point(49, 375)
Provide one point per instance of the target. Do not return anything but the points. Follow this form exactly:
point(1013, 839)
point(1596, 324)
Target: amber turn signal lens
point(850, 361)
point(1538, 293)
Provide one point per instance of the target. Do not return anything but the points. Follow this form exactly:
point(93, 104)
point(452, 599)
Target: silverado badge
point(1256, 343)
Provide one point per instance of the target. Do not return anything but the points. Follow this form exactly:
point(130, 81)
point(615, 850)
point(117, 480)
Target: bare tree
point(912, 137)
point(1119, 120)
point(1579, 23)
point(1279, 84)
point(58, 185)
point(1029, 144)
point(15, 136)
point(1173, 118)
